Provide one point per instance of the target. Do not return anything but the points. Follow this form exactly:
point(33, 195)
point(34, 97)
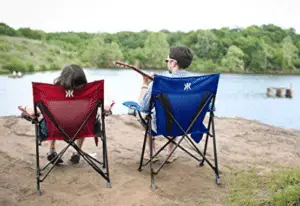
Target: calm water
point(238, 95)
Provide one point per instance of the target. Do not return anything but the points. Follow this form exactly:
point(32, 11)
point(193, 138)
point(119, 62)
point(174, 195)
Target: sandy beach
point(241, 144)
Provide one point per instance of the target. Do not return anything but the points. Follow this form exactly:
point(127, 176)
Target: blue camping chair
point(180, 107)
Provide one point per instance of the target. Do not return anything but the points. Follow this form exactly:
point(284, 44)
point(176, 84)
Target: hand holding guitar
point(147, 80)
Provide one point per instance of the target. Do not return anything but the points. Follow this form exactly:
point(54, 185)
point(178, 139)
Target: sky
point(136, 15)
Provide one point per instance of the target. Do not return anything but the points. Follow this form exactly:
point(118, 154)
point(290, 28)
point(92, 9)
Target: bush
point(30, 67)
point(49, 59)
point(15, 64)
point(54, 67)
point(43, 67)
point(70, 56)
point(3, 72)
point(297, 63)
point(5, 47)
point(285, 186)
point(202, 65)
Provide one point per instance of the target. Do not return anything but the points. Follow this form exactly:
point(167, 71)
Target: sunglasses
point(168, 60)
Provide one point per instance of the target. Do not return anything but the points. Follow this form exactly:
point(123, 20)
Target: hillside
point(255, 49)
point(30, 55)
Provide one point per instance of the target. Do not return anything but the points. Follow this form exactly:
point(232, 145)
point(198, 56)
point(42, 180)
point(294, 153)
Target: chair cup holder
point(132, 111)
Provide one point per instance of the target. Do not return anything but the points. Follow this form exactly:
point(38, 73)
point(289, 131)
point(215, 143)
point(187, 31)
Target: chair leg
point(205, 148)
point(151, 168)
point(153, 186)
point(38, 172)
point(108, 184)
point(105, 157)
point(215, 154)
point(104, 152)
point(206, 141)
point(143, 150)
point(106, 165)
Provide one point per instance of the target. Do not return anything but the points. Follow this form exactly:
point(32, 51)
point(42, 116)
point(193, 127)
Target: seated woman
point(72, 77)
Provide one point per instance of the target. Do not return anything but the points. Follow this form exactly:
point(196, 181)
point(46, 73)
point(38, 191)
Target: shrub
point(15, 64)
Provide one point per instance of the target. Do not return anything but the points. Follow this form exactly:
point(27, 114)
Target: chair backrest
point(74, 111)
point(184, 98)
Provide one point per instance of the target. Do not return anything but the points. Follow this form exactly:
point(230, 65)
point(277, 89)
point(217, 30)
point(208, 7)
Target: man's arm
point(144, 98)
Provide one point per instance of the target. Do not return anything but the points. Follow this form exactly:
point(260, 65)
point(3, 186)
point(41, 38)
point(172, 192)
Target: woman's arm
point(30, 110)
point(107, 110)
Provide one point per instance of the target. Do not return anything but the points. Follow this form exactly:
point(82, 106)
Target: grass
point(29, 55)
point(279, 187)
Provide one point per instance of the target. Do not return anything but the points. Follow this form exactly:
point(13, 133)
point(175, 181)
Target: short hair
point(71, 77)
point(182, 54)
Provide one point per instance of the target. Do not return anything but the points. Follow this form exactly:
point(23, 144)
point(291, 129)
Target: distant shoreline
point(4, 73)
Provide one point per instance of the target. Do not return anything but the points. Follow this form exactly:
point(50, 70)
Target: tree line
point(255, 49)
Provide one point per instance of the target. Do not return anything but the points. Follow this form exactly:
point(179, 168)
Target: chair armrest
point(132, 105)
point(211, 109)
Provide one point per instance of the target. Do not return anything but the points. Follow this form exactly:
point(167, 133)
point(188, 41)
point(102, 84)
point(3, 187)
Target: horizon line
point(160, 30)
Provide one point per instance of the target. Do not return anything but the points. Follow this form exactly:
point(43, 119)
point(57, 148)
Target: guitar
point(135, 69)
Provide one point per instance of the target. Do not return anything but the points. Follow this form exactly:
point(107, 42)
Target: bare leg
point(76, 157)
point(79, 142)
point(147, 154)
point(51, 156)
point(52, 146)
point(170, 148)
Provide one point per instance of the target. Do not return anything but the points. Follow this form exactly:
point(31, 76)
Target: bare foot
point(147, 157)
point(172, 158)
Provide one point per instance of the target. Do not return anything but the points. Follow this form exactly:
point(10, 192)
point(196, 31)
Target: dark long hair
point(71, 77)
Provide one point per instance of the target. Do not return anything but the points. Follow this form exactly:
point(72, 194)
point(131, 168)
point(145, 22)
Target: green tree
point(268, 55)
point(206, 44)
point(289, 53)
point(101, 54)
point(31, 34)
point(6, 30)
point(155, 50)
point(233, 61)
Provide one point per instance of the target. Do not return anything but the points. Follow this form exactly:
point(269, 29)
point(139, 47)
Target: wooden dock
point(280, 92)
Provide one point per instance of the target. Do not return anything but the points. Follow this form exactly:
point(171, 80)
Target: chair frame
point(70, 142)
point(147, 124)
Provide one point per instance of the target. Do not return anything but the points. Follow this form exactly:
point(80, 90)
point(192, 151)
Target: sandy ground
point(241, 144)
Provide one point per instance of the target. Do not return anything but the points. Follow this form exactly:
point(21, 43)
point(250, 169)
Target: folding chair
point(180, 105)
point(70, 115)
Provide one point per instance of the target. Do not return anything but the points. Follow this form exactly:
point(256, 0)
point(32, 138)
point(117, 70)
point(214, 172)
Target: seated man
point(178, 60)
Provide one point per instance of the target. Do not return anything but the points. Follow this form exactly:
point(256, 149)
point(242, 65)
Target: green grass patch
point(250, 188)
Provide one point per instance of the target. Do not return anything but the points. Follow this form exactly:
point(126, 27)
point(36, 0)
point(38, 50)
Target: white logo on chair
point(69, 93)
point(187, 86)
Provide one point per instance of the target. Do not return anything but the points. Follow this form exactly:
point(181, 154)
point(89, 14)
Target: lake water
point(238, 95)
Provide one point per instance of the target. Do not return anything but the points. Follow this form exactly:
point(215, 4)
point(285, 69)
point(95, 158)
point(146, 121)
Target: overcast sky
point(136, 15)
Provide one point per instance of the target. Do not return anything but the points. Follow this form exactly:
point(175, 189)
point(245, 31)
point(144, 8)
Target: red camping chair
point(70, 115)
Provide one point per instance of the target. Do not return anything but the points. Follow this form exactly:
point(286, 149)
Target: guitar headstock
point(132, 67)
point(121, 64)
